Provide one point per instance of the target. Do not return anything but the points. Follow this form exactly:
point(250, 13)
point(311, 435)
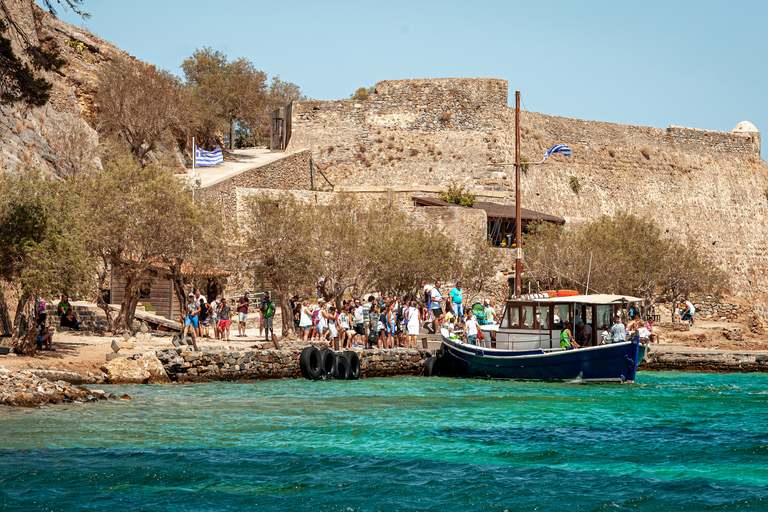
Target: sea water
point(673, 441)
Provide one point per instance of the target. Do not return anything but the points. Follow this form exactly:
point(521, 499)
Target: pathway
point(238, 161)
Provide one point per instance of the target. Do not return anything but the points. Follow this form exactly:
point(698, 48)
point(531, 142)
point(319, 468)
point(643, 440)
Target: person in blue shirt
point(457, 300)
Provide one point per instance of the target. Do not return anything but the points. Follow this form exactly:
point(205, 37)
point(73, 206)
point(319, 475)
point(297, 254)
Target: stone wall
point(292, 172)
point(464, 226)
point(705, 184)
point(707, 362)
point(185, 366)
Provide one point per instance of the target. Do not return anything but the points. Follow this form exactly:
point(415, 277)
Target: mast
point(518, 248)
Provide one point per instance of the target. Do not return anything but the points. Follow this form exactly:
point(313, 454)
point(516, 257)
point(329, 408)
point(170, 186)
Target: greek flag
point(207, 158)
point(558, 148)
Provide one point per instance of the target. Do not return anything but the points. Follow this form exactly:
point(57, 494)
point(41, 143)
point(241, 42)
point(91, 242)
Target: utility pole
point(518, 231)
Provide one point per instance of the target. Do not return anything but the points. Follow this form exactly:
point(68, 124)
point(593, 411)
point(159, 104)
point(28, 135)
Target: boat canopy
point(593, 299)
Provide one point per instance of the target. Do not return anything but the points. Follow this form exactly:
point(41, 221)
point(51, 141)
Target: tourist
point(320, 320)
point(367, 316)
point(688, 311)
point(652, 336)
point(358, 319)
point(490, 313)
point(412, 323)
point(566, 338)
point(267, 316)
point(456, 300)
point(471, 327)
point(618, 332)
point(381, 327)
point(224, 319)
point(633, 311)
point(583, 334)
point(635, 323)
point(349, 332)
point(215, 317)
point(305, 321)
point(200, 298)
point(45, 337)
point(677, 317)
point(333, 327)
point(191, 319)
point(436, 300)
point(67, 315)
point(605, 336)
point(296, 310)
point(242, 313)
point(205, 318)
point(40, 311)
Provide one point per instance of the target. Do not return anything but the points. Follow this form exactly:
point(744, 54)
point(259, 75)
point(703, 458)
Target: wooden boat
point(525, 345)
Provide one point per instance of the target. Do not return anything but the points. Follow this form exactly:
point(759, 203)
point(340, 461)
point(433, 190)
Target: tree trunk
point(287, 314)
point(124, 319)
point(5, 315)
point(24, 331)
point(181, 294)
point(231, 133)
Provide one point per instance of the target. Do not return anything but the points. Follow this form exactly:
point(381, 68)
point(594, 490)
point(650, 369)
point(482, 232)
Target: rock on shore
point(28, 390)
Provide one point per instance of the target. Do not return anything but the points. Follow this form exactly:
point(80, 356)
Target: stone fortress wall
point(707, 184)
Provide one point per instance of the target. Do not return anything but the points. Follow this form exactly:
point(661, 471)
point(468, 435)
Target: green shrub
point(457, 194)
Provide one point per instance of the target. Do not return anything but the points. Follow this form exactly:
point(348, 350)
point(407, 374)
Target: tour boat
point(525, 344)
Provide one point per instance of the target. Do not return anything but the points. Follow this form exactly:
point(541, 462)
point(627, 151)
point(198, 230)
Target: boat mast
point(518, 247)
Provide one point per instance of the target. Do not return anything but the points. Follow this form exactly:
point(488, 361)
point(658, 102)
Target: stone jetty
point(29, 390)
point(706, 361)
point(183, 365)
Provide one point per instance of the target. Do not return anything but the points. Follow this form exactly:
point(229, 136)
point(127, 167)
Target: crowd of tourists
point(388, 321)
point(213, 319)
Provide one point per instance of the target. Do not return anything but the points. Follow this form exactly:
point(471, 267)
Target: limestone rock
point(125, 371)
point(150, 363)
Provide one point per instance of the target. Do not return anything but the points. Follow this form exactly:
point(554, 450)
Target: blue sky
point(697, 63)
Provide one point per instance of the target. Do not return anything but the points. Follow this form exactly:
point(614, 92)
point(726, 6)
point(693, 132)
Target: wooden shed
point(159, 293)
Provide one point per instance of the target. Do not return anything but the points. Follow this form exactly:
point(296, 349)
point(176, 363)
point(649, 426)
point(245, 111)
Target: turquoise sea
point(674, 441)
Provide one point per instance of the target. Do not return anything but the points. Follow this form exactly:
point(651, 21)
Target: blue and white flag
point(558, 148)
point(208, 158)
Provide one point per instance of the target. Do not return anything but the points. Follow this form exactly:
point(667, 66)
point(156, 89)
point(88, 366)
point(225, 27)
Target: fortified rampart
point(706, 184)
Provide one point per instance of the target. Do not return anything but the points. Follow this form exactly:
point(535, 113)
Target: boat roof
point(603, 298)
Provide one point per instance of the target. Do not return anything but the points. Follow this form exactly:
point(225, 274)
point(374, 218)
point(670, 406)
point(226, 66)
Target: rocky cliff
point(57, 136)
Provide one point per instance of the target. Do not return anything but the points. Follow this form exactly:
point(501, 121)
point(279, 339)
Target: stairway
point(92, 318)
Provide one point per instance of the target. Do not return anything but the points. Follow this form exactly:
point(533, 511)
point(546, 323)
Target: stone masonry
point(705, 184)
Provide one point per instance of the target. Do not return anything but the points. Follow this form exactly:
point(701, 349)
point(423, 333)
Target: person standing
point(215, 316)
point(471, 327)
point(457, 300)
point(490, 313)
point(618, 331)
point(267, 316)
point(358, 319)
point(690, 310)
point(242, 313)
point(191, 320)
point(224, 320)
point(412, 323)
point(305, 321)
point(436, 299)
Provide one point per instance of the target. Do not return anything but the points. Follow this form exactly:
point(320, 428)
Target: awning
point(494, 210)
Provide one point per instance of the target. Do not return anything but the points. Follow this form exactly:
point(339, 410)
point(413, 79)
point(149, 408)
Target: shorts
point(243, 317)
point(191, 320)
point(437, 312)
point(472, 339)
point(224, 324)
point(458, 310)
point(268, 321)
point(307, 327)
point(320, 329)
point(360, 329)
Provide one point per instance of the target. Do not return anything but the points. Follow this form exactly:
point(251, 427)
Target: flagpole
point(194, 156)
point(518, 231)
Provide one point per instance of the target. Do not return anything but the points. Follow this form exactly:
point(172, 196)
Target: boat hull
point(606, 363)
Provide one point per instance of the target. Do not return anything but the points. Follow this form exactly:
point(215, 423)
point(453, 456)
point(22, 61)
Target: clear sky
point(698, 63)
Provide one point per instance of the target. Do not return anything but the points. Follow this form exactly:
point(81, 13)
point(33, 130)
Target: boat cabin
point(537, 323)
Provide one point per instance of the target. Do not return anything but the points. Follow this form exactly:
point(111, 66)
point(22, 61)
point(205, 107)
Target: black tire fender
point(430, 367)
point(310, 363)
point(343, 368)
point(354, 364)
point(328, 364)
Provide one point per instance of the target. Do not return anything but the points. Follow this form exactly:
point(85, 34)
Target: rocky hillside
point(58, 135)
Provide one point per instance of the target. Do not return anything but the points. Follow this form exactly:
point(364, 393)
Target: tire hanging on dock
point(328, 363)
point(354, 364)
point(430, 367)
point(343, 369)
point(310, 363)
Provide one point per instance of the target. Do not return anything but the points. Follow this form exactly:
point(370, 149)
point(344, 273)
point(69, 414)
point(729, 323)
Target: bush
point(457, 194)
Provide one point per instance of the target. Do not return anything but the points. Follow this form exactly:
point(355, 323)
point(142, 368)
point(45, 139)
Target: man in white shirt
point(471, 327)
point(358, 318)
point(436, 298)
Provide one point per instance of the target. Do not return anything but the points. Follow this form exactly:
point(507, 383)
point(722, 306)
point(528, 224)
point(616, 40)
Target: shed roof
point(494, 210)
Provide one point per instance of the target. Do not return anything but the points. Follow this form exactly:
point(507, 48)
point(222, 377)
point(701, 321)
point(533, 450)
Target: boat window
point(512, 317)
point(543, 317)
point(526, 319)
point(561, 315)
point(604, 316)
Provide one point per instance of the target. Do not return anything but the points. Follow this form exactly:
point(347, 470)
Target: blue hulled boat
point(525, 344)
